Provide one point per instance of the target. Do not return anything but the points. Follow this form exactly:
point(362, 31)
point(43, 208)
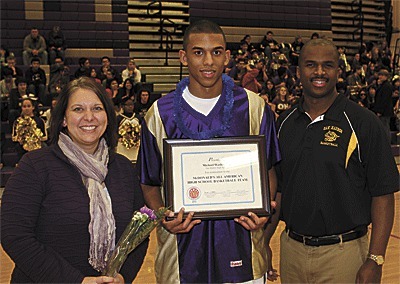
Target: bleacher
point(121, 29)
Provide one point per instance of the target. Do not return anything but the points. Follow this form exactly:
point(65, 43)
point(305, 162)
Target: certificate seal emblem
point(193, 193)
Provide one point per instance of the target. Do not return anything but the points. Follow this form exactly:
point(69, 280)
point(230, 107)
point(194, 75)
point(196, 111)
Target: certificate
point(218, 178)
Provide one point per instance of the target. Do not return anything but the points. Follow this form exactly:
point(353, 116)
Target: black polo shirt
point(332, 167)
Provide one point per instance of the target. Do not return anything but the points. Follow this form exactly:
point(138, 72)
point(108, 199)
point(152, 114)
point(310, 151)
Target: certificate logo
point(193, 193)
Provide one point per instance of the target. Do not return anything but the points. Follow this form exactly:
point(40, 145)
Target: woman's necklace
point(228, 85)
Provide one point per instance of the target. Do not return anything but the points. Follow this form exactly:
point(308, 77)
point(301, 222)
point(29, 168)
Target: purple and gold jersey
point(218, 250)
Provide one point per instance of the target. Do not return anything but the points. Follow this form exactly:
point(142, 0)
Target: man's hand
point(180, 225)
point(252, 222)
point(369, 272)
point(272, 274)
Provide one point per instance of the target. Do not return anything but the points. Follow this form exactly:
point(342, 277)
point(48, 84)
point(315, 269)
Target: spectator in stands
point(128, 118)
point(238, 70)
point(386, 54)
point(315, 35)
point(47, 114)
point(59, 77)
point(341, 84)
point(250, 45)
point(269, 90)
point(244, 51)
point(34, 46)
point(80, 197)
point(395, 120)
point(132, 72)
point(283, 77)
point(355, 81)
point(371, 94)
point(343, 62)
point(365, 53)
point(262, 76)
point(113, 86)
point(93, 75)
point(126, 91)
point(4, 53)
point(28, 109)
point(370, 72)
point(7, 84)
point(105, 66)
point(11, 65)
point(84, 68)
point(285, 48)
point(281, 101)
point(383, 106)
point(16, 95)
point(36, 78)
point(356, 61)
point(376, 55)
point(56, 44)
point(268, 45)
point(362, 98)
point(110, 75)
point(143, 103)
point(249, 80)
point(296, 48)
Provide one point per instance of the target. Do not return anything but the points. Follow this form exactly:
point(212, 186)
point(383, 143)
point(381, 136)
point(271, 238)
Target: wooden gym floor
point(391, 268)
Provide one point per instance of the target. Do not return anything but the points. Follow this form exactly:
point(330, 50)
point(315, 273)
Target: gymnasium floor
point(391, 269)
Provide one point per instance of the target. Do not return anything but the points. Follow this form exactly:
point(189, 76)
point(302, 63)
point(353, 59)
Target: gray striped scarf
point(93, 169)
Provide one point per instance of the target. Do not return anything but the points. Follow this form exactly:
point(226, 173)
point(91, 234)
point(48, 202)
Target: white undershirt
point(204, 106)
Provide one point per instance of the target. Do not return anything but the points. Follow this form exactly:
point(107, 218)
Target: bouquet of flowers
point(130, 134)
point(27, 133)
point(139, 228)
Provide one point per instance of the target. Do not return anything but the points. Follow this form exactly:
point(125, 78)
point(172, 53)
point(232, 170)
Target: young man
point(84, 68)
point(11, 65)
point(206, 105)
point(36, 79)
point(337, 175)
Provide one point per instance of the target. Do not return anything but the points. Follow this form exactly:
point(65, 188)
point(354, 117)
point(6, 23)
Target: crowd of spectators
point(269, 69)
point(19, 83)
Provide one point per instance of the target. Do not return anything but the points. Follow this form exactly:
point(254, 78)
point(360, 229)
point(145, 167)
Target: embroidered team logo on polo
point(331, 135)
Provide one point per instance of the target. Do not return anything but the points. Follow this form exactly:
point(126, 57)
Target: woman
point(112, 87)
point(93, 75)
point(61, 225)
point(127, 91)
point(269, 90)
point(281, 101)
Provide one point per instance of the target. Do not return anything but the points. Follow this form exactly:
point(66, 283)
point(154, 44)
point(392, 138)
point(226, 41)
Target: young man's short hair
point(200, 27)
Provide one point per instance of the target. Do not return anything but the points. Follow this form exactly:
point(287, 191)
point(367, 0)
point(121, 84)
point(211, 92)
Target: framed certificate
point(219, 178)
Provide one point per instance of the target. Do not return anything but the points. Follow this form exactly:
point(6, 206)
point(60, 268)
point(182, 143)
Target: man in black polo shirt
point(337, 175)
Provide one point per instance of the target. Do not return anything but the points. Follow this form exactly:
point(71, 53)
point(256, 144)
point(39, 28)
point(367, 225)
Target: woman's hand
point(104, 279)
point(179, 225)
